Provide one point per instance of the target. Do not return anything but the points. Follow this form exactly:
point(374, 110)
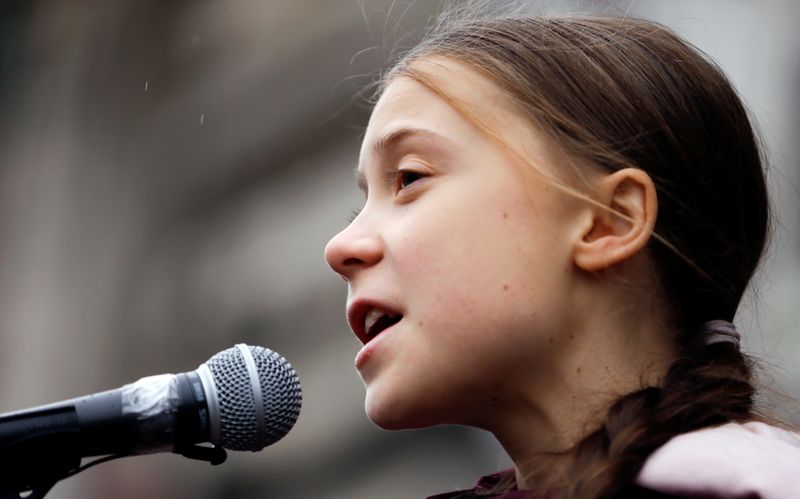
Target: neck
point(601, 360)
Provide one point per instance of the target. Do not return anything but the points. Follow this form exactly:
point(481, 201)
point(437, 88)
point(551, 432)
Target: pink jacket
point(733, 461)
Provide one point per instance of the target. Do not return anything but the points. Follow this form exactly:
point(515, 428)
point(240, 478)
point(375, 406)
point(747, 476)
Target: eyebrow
point(384, 144)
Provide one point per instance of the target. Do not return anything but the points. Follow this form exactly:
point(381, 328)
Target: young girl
point(561, 217)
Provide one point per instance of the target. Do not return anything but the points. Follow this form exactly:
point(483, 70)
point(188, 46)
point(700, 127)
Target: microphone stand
point(41, 446)
point(32, 465)
point(37, 461)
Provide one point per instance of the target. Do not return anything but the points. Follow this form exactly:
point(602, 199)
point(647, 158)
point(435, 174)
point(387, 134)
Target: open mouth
point(377, 321)
point(369, 319)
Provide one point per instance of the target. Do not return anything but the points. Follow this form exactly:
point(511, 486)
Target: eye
point(353, 214)
point(404, 178)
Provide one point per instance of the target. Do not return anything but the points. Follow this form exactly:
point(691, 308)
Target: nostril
point(352, 261)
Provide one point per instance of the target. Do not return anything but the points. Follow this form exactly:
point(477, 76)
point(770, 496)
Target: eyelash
point(396, 178)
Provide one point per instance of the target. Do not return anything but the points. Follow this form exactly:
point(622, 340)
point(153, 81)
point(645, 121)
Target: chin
point(396, 413)
point(384, 414)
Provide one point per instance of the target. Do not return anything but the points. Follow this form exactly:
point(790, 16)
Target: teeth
point(372, 317)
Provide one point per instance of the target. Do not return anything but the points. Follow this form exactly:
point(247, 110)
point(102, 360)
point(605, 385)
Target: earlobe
point(620, 224)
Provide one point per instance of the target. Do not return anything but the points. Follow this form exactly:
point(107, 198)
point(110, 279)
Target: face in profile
point(458, 264)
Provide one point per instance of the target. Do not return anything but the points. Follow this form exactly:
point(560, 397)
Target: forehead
point(466, 106)
point(407, 98)
point(408, 105)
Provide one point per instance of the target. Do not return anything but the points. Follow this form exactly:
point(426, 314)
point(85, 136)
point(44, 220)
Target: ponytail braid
point(707, 385)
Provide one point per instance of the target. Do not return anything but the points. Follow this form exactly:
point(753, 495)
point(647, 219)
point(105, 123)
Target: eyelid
point(394, 175)
point(414, 165)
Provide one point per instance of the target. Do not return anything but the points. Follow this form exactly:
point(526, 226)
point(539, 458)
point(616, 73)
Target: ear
point(621, 222)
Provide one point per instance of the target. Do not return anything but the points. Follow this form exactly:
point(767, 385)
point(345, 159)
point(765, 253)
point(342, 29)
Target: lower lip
point(368, 350)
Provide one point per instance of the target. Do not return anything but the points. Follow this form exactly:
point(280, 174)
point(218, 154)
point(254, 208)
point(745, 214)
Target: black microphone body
point(109, 423)
point(243, 398)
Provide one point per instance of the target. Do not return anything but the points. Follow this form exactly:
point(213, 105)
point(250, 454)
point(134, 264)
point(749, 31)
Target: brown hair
point(622, 93)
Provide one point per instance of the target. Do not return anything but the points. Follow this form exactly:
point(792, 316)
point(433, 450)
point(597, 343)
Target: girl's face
point(459, 264)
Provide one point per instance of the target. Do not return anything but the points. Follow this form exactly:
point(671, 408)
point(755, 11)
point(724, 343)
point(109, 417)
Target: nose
point(353, 249)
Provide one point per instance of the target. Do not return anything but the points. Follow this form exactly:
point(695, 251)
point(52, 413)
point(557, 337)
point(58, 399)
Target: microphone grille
point(254, 413)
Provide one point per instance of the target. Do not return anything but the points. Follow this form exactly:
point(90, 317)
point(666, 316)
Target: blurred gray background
point(171, 170)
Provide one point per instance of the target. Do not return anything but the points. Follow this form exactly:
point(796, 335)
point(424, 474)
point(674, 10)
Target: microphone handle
point(154, 414)
point(170, 412)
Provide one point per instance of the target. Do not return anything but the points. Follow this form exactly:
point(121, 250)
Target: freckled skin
point(436, 255)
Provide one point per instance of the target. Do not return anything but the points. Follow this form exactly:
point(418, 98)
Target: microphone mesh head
point(280, 393)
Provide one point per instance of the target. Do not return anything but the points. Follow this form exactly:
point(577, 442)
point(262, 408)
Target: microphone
point(243, 398)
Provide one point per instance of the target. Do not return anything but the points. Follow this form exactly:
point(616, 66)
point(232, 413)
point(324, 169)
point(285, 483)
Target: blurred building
point(170, 173)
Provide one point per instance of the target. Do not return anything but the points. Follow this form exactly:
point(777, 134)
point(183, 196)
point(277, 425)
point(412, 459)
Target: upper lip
point(357, 313)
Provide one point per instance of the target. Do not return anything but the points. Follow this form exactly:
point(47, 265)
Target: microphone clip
point(215, 455)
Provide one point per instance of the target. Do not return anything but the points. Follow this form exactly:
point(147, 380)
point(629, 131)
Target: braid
point(707, 385)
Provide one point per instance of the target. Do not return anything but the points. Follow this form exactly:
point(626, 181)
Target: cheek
point(438, 264)
point(490, 281)
point(476, 320)
point(465, 252)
